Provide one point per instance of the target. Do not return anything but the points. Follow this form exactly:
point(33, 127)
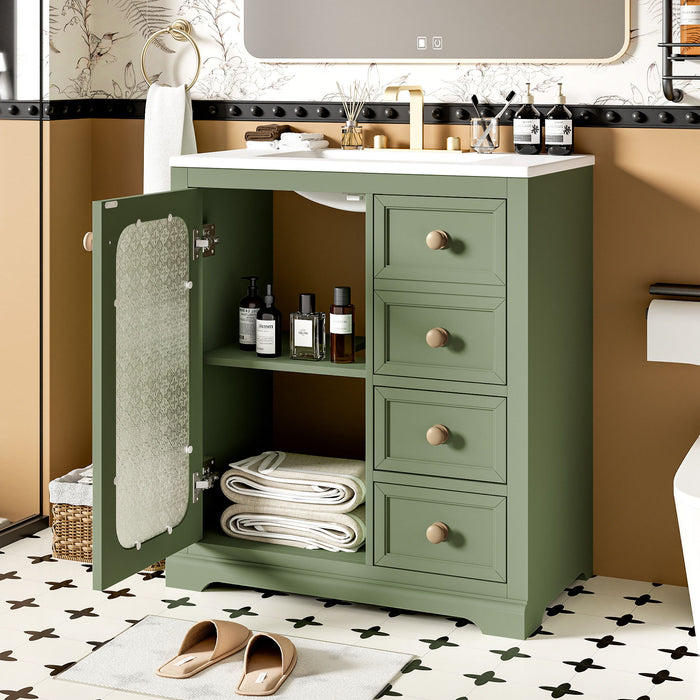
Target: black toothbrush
point(509, 98)
point(475, 102)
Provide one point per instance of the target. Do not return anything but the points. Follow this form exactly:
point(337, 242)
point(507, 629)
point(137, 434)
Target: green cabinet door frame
point(113, 562)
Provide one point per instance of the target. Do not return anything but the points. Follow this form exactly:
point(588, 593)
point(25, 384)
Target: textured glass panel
point(152, 379)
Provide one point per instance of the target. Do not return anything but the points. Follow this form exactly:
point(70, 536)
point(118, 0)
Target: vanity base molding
point(493, 615)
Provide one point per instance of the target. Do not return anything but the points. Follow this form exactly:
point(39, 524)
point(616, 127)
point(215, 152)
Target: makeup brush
point(487, 133)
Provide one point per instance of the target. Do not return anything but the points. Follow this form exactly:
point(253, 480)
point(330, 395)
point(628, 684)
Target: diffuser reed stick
point(353, 99)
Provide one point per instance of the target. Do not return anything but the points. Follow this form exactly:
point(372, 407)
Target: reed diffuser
point(353, 100)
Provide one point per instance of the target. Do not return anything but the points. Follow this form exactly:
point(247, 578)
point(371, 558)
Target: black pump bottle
point(248, 314)
point(527, 127)
point(268, 328)
point(559, 129)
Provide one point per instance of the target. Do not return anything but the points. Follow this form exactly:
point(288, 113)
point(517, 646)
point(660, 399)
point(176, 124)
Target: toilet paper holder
point(675, 290)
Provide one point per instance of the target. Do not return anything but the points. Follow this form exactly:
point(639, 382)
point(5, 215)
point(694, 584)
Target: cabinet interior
point(251, 404)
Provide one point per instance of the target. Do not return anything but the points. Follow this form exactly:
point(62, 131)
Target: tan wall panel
point(646, 213)
point(67, 297)
point(19, 320)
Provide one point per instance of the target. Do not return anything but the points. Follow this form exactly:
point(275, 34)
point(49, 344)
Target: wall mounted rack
point(669, 58)
point(675, 290)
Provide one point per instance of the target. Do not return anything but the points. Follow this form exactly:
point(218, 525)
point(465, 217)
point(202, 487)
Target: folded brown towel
point(266, 132)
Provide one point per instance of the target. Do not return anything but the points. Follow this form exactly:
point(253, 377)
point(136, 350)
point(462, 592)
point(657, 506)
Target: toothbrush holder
point(485, 137)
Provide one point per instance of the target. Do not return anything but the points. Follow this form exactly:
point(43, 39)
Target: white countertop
point(398, 161)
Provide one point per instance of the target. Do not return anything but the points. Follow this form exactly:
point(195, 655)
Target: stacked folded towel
point(266, 132)
point(295, 141)
point(298, 500)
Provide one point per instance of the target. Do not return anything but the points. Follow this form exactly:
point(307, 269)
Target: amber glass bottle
point(690, 26)
point(342, 327)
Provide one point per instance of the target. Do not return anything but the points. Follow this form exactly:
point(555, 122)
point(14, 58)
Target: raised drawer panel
point(476, 239)
point(475, 546)
point(473, 429)
point(475, 350)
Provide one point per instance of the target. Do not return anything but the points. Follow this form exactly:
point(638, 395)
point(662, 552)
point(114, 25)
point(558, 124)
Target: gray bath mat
point(324, 670)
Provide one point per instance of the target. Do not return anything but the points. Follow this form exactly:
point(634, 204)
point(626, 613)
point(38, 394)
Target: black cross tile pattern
point(451, 658)
point(35, 635)
point(21, 694)
point(58, 585)
point(176, 603)
point(58, 669)
point(85, 612)
point(305, 621)
point(561, 691)
point(240, 612)
point(26, 603)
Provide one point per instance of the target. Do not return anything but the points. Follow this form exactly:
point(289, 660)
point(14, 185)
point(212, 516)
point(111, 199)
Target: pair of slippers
point(269, 658)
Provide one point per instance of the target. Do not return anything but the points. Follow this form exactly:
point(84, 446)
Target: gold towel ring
point(180, 30)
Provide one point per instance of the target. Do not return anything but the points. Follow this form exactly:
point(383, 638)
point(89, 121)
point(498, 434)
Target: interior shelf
point(259, 551)
point(233, 356)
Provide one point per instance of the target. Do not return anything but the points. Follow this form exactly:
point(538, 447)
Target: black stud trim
point(618, 116)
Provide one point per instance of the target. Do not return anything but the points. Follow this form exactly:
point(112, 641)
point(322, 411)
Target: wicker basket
point(72, 534)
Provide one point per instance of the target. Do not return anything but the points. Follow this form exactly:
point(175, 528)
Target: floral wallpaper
point(95, 51)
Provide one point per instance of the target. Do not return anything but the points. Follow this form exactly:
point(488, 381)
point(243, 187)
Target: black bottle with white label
point(559, 129)
point(248, 314)
point(527, 127)
point(268, 328)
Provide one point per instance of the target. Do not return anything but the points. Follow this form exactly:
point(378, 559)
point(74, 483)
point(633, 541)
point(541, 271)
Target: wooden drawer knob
point(437, 533)
point(437, 240)
point(87, 241)
point(437, 337)
point(437, 435)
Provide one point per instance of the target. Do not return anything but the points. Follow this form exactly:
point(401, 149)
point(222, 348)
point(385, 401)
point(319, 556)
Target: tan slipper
point(269, 659)
point(204, 644)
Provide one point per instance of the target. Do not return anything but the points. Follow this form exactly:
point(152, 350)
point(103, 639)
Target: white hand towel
point(296, 137)
point(262, 145)
point(304, 145)
point(168, 131)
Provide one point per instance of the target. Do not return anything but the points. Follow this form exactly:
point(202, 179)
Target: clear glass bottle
point(342, 326)
point(351, 138)
point(307, 331)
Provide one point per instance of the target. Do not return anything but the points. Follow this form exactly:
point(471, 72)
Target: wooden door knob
point(437, 533)
point(437, 240)
point(437, 435)
point(87, 241)
point(437, 337)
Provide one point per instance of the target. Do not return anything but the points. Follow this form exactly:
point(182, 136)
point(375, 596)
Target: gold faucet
point(415, 112)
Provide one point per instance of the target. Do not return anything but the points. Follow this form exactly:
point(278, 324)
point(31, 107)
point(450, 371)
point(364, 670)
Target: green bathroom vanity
point(483, 339)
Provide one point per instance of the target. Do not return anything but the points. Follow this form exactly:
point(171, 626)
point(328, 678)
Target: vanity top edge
point(443, 163)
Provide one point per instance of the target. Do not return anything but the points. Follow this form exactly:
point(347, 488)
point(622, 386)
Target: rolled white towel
point(262, 145)
point(297, 137)
point(304, 146)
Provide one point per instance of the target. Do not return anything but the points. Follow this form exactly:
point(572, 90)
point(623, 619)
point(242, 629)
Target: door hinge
point(204, 245)
point(206, 480)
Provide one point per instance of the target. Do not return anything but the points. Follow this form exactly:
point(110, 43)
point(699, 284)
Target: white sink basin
point(384, 155)
point(397, 161)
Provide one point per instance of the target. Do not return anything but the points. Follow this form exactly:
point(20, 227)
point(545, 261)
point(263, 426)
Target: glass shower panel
point(152, 379)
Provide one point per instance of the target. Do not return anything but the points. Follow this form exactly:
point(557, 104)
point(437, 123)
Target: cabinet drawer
point(474, 249)
point(473, 429)
point(474, 347)
point(475, 546)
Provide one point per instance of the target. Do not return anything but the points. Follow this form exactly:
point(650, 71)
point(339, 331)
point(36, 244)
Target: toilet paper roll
point(673, 331)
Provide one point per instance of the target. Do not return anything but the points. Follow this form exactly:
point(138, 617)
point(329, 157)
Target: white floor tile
point(21, 674)
point(667, 614)
point(460, 659)
point(93, 629)
point(619, 587)
point(611, 684)
point(54, 689)
point(535, 671)
point(632, 659)
point(52, 651)
point(670, 594)
point(671, 690)
point(434, 686)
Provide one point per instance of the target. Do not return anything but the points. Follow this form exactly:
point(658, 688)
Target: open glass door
point(147, 381)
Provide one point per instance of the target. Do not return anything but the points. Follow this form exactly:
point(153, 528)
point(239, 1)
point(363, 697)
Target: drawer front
point(475, 546)
point(474, 249)
point(470, 432)
point(475, 343)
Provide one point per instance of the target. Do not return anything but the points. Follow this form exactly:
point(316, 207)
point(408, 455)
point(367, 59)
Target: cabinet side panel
point(559, 381)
